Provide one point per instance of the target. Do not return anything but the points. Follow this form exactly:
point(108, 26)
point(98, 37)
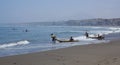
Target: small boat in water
point(61, 41)
point(98, 38)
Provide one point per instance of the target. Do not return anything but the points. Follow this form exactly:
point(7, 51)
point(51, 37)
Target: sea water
point(22, 39)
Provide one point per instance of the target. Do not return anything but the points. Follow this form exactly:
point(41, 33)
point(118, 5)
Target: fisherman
point(100, 37)
point(71, 38)
point(86, 34)
point(53, 38)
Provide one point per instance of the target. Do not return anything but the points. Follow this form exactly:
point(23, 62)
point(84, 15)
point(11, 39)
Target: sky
point(19, 11)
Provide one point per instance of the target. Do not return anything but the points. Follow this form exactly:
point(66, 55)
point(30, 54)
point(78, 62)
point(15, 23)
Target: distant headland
point(86, 22)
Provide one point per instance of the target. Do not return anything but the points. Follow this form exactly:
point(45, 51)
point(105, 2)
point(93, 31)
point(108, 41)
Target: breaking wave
point(24, 42)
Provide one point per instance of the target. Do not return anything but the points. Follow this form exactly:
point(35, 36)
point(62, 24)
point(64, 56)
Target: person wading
point(53, 38)
point(86, 34)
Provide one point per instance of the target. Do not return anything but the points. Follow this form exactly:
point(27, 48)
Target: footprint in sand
point(14, 63)
point(115, 60)
point(109, 61)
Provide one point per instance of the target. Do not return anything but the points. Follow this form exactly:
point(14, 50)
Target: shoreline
point(91, 54)
point(13, 48)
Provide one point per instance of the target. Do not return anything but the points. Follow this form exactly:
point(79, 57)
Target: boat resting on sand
point(61, 41)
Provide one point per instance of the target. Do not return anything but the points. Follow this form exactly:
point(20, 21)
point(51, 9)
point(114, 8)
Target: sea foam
point(24, 42)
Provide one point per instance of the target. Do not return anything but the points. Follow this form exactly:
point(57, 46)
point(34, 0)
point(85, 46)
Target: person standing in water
point(53, 38)
point(86, 34)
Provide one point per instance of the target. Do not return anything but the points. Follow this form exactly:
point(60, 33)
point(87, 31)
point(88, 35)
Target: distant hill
point(95, 22)
point(87, 22)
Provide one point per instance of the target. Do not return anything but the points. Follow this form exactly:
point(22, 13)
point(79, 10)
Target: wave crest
point(24, 42)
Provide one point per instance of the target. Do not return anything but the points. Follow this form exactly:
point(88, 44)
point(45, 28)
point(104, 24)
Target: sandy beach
point(93, 54)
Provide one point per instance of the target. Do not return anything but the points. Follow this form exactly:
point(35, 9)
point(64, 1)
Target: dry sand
point(93, 54)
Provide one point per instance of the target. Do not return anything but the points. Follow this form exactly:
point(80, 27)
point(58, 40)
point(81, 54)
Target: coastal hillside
point(87, 22)
point(95, 22)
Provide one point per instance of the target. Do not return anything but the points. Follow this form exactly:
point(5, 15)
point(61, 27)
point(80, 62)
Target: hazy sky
point(57, 10)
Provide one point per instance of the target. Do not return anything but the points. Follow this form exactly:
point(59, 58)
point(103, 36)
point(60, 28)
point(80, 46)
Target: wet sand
point(93, 54)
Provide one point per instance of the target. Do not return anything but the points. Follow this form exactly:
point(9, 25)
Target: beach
point(64, 32)
point(92, 54)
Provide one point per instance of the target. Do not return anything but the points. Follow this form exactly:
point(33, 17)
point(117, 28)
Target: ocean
point(22, 39)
